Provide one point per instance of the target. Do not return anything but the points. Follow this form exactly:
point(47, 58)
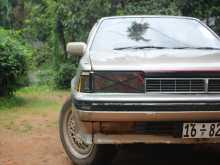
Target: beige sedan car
point(142, 79)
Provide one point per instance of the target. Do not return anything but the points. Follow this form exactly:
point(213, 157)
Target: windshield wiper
point(162, 47)
point(141, 47)
point(208, 48)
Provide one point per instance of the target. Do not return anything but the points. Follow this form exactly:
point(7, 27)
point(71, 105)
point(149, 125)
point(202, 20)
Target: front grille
point(214, 85)
point(175, 85)
point(182, 85)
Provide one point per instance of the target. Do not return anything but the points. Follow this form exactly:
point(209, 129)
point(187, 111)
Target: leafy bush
point(64, 74)
point(13, 66)
point(42, 55)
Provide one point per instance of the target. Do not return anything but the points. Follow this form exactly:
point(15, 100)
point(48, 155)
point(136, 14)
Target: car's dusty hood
point(157, 60)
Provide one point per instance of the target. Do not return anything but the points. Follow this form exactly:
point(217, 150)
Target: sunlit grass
point(36, 101)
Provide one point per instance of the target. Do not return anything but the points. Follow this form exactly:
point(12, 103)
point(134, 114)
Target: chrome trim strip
point(146, 98)
point(148, 139)
point(148, 116)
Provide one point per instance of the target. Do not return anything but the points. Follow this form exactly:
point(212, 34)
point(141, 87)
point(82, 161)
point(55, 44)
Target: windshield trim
point(148, 16)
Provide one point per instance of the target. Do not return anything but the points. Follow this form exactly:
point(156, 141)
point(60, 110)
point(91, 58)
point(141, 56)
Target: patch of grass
point(10, 102)
point(29, 94)
point(35, 101)
point(34, 90)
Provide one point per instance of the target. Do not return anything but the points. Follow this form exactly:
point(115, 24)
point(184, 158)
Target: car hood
point(157, 60)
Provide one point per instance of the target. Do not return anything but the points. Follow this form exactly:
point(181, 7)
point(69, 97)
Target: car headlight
point(118, 82)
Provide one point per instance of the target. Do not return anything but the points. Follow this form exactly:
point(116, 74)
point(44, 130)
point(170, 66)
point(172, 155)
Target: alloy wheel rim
point(78, 147)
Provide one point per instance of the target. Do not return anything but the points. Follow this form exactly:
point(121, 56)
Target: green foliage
point(78, 16)
point(199, 8)
point(64, 74)
point(39, 26)
point(12, 62)
point(40, 21)
point(151, 7)
point(42, 55)
point(206, 10)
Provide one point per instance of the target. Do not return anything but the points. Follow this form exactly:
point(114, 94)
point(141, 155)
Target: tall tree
point(5, 11)
point(18, 13)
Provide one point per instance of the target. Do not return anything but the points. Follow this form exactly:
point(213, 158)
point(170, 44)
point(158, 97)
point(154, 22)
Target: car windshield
point(153, 33)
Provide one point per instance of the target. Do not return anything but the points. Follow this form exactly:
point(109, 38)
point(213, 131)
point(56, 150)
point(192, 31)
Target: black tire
point(97, 154)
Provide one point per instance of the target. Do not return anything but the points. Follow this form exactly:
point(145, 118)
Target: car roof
point(148, 16)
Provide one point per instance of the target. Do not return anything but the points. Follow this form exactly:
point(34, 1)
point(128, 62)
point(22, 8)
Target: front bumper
point(119, 127)
point(94, 110)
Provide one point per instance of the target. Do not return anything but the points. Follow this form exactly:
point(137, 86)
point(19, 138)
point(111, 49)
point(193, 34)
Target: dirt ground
point(31, 138)
point(38, 147)
point(42, 146)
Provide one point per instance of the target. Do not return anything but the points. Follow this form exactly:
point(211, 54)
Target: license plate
point(201, 130)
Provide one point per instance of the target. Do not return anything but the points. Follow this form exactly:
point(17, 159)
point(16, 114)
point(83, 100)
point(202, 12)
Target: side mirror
point(76, 48)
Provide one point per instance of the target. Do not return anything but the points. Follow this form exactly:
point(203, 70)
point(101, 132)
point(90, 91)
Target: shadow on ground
point(167, 155)
point(11, 102)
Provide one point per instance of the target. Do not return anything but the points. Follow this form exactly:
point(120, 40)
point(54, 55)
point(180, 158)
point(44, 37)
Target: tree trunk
point(60, 31)
point(19, 13)
point(114, 5)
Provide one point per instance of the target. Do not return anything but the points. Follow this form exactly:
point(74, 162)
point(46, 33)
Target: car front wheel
point(78, 150)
